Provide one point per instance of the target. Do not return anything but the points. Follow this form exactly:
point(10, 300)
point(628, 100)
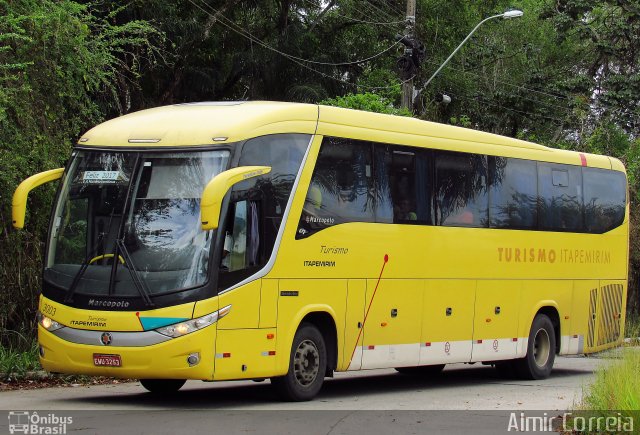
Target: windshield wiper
point(141, 286)
point(68, 297)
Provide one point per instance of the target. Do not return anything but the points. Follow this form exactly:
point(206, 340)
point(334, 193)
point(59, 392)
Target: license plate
point(107, 360)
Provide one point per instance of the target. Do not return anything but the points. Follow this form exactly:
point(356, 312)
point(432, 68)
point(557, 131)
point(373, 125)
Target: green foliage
point(617, 386)
point(462, 121)
point(632, 326)
point(16, 363)
point(608, 139)
point(367, 102)
point(62, 69)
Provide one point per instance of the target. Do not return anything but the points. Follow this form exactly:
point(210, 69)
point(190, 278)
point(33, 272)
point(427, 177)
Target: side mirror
point(19, 204)
point(218, 187)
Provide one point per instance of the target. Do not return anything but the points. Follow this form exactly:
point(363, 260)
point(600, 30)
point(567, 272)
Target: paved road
point(374, 401)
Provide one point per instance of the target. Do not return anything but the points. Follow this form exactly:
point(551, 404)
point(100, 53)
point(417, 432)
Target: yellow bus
point(252, 240)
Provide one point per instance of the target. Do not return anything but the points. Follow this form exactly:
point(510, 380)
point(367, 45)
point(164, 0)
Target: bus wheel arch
point(325, 323)
point(552, 313)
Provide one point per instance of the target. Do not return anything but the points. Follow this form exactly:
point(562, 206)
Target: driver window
point(240, 255)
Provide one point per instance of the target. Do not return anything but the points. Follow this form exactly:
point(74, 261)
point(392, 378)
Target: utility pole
point(409, 33)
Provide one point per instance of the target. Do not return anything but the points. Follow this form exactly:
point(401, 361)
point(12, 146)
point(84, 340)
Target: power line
point(500, 106)
point(371, 10)
point(358, 20)
point(232, 26)
point(559, 97)
point(568, 109)
point(382, 23)
point(382, 10)
point(235, 28)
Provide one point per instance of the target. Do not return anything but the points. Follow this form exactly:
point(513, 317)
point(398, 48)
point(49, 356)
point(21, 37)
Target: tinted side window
point(341, 188)
point(284, 153)
point(513, 193)
point(408, 184)
point(604, 199)
point(461, 189)
point(560, 197)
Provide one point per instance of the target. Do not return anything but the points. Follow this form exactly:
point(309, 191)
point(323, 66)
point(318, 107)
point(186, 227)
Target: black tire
point(307, 366)
point(162, 386)
point(541, 350)
point(421, 370)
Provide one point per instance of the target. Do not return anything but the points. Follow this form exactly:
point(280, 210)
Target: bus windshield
point(128, 223)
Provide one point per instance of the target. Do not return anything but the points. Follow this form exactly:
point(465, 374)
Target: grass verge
point(16, 364)
point(20, 369)
point(632, 326)
point(617, 386)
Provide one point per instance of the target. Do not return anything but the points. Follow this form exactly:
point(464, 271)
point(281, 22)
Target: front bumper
point(165, 360)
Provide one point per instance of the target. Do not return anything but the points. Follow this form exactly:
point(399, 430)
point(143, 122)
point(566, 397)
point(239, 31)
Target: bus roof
point(206, 123)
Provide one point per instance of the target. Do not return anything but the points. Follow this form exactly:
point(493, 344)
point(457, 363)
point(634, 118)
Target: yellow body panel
point(269, 303)
point(245, 353)
point(497, 309)
point(448, 310)
point(354, 317)
point(245, 307)
point(437, 289)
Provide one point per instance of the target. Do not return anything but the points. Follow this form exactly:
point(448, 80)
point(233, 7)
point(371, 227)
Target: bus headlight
point(184, 328)
point(47, 323)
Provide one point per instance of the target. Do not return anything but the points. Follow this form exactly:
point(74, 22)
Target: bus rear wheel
point(307, 366)
point(421, 370)
point(162, 386)
point(541, 350)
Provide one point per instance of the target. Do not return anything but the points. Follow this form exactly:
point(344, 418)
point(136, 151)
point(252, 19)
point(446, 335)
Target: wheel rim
point(541, 347)
point(306, 363)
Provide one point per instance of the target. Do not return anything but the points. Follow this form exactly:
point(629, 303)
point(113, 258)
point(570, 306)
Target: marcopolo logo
point(28, 422)
point(108, 304)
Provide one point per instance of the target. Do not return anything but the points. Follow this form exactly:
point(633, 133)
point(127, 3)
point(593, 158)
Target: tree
point(61, 69)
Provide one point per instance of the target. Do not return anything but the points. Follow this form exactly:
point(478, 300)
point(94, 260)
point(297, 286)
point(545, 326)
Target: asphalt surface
point(462, 399)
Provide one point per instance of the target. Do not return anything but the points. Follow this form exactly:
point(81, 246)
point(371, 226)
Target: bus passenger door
point(392, 327)
point(447, 322)
point(497, 310)
point(356, 290)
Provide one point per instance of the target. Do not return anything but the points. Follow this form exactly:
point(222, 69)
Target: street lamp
point(515, 13)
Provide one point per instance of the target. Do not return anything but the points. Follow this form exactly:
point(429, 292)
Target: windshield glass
point(129, 220)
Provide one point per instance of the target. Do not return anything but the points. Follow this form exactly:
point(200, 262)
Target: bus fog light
point(193, 359)
point(41, 351)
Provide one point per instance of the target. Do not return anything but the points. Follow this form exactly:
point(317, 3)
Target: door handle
point(394, 312)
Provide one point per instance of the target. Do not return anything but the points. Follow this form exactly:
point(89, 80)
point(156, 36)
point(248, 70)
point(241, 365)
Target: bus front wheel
point(541, 350)
point(307, 366)
point(162, 386)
